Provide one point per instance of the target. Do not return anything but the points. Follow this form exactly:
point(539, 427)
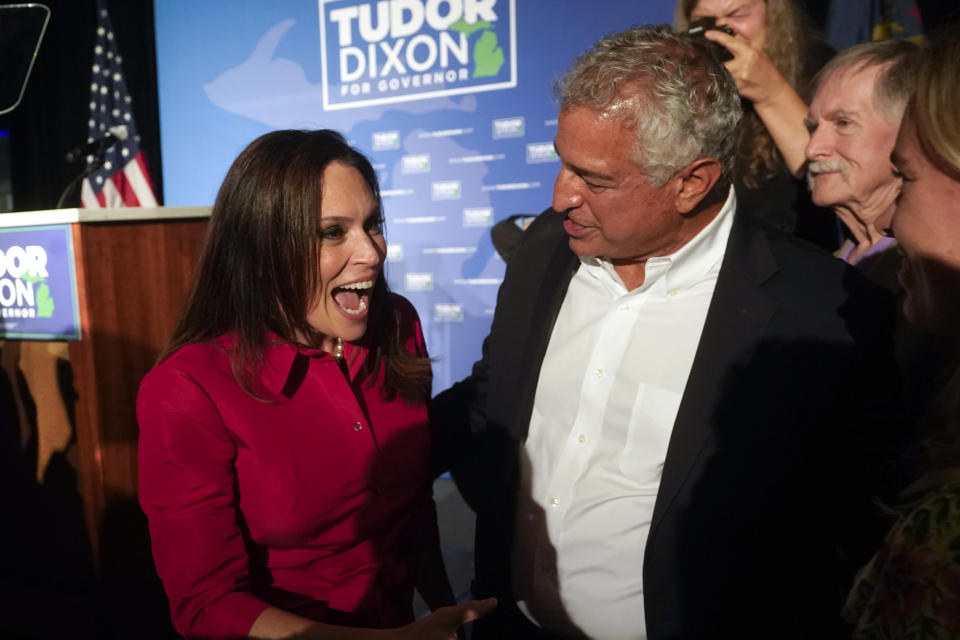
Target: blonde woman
point(911, 588)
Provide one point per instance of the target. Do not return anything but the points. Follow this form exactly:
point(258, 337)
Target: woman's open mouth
point(353, 299)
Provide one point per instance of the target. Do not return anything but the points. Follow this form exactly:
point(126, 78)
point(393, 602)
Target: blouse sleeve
point(187, 490)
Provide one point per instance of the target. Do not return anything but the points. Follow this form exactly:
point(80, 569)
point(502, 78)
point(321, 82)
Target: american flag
point(123, 179)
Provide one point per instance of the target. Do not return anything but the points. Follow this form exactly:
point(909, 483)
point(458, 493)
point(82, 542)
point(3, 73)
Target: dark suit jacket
point(764, 493)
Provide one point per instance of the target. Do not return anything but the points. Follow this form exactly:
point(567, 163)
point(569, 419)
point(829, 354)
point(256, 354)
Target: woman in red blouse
point(283, 437)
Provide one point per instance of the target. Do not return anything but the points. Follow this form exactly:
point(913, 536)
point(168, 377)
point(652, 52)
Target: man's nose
point(566, 194)
point(818, 146)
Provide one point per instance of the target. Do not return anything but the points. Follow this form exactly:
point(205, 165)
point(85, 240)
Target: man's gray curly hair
point(668, 87)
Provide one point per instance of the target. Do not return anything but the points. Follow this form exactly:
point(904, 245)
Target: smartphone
point(701, 25)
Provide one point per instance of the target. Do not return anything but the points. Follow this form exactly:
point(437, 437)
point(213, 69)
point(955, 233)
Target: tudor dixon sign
point(377, 52)
point(38, 284)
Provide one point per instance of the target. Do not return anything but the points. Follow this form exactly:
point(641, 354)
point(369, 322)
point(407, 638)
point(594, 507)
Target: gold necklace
point(338, 349)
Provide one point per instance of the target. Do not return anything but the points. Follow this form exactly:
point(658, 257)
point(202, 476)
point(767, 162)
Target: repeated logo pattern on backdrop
point(451, 99)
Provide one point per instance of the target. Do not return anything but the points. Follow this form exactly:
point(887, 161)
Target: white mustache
point(824, 166)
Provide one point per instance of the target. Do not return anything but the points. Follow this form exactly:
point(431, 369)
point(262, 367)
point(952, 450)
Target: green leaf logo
point(45, 304)
point(488, 56)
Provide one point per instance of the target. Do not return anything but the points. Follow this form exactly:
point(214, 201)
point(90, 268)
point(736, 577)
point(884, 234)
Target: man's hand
point(445, 622)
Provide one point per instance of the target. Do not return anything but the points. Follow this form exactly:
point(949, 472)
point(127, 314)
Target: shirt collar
point(285, 365)
point(882, 245)
point(683, 268)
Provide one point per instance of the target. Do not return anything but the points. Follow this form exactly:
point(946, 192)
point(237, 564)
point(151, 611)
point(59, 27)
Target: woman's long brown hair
point(259, 270)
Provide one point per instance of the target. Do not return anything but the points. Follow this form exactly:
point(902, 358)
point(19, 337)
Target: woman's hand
point(778, 105)
point(758, 80)
point(445, 622)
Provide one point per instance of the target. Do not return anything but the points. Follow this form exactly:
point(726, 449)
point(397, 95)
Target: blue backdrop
point(451, 99)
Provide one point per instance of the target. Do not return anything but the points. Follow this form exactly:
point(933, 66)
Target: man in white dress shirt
point(654, 440)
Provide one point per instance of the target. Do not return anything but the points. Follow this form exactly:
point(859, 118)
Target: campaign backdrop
point(452, 100)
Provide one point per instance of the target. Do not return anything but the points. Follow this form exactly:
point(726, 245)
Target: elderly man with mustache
point(859, 99)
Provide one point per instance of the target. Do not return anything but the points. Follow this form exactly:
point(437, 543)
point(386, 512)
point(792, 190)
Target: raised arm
point(778, 105)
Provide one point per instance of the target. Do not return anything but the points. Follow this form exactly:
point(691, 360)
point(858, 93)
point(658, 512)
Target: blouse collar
point(285, 365)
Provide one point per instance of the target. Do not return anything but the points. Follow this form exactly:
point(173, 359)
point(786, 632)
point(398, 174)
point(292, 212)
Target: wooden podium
point(133, 269)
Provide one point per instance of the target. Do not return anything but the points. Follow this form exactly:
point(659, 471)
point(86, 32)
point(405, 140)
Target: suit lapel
point(738, 315)
point(551, 292)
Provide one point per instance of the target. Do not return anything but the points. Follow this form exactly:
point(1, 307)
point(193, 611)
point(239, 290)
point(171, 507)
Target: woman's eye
point(333, 232)
point(897, 173)
point(375, 226)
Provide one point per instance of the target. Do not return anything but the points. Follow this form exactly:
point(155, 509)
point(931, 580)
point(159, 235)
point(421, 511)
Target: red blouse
point(316, 498)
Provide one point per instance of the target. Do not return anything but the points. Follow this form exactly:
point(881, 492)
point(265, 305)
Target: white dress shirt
point(606, 400)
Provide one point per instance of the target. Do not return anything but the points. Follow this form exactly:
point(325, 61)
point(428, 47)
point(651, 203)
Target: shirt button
point(357, 426)
point(599, 373)
point(554, 502)
point(624, 307)
point(582, 438)
point(673, 292)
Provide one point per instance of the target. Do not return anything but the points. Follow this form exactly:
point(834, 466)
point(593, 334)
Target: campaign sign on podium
point(38, 284)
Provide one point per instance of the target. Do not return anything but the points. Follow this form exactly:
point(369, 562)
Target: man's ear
point(696, 180)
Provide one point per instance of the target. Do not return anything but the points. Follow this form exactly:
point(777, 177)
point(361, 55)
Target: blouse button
point(357, 426)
